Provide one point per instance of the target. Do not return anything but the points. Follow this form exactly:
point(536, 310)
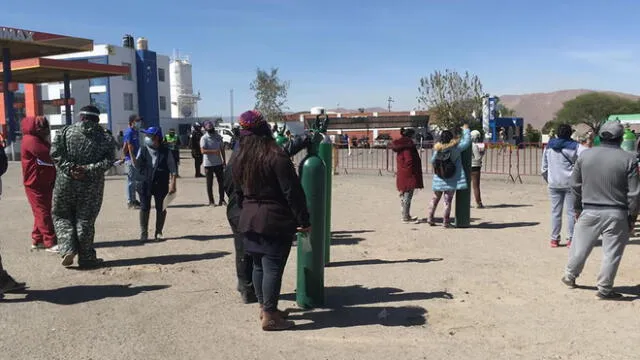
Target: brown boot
point(275, 322)
point(283, 314)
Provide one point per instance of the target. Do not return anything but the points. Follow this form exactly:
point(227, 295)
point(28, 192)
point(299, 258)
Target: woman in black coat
point(273, 209)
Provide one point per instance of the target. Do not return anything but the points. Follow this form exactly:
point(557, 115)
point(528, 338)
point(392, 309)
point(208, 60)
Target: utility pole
point(389, 101)
point(231, 105)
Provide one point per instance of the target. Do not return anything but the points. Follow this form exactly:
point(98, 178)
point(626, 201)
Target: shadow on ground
point(187, 206)
point(499, 226)
point(341, 309)
point(165, 259)
point(73, 295)
point(507, 206)
point(631, 292)
point(131, 243)
point(381, 262)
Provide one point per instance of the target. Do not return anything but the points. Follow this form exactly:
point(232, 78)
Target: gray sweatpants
point(405, 202)
point(613, 224)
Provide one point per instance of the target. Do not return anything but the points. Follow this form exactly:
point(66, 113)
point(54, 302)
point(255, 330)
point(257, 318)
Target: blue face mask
point(148, 141)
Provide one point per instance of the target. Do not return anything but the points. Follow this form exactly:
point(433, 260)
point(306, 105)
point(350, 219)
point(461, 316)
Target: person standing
point(83, 152)
point(448, 174)
point(409, 172)
point(273, 208)
point(477, 148)
point(130, 150)
point(558, 161)
point(212, 148)
point(173, 143)
point(194, 145)
point(157, 173)
point(606, 188)
point(38, 177)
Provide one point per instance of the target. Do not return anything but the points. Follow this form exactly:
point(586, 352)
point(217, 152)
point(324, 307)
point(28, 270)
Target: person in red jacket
point(39, 175)
point(409, 172)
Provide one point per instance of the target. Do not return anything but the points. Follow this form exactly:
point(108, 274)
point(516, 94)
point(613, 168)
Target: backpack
point(443, 166)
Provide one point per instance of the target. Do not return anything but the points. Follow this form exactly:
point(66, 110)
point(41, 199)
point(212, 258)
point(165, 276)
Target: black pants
point(244, 265)
point(267, 277)
point(158, 193)
point(197, 158)
point(218, 171)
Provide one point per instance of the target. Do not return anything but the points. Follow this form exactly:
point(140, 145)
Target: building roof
point(373, 120)
point(41, 70)
point(24, 44)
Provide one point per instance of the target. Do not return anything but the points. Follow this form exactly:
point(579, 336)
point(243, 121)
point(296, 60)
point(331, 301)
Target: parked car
point(227, 137)
point(382, 141)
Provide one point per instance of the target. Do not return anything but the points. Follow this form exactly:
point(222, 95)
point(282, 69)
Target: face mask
point(137, 125)
point(148, 141)
point(211, 131)
point(89, 125)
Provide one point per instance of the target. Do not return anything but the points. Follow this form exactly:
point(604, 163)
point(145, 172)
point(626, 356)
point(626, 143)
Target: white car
point(227, 136)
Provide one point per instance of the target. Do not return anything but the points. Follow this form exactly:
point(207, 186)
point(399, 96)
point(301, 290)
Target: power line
point(389, 101)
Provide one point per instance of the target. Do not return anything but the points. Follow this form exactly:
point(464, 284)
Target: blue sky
point(358, 53)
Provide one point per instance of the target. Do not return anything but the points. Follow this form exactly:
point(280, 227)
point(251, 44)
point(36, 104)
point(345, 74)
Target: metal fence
point(500, 159)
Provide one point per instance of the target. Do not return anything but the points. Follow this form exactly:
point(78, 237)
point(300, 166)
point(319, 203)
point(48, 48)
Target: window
point(160, 75)
point(163, 103)
point(128, 101)
point(98, 81)
point(127, 76)
point(100, 101)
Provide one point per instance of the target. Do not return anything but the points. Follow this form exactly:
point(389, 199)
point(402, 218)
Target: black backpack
point(4, 162)
point(443, 166)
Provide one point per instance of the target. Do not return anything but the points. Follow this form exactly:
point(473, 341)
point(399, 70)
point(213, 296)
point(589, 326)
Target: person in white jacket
point(558, 161)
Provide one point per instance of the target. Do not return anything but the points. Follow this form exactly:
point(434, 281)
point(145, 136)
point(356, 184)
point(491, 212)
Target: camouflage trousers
point(76, 205)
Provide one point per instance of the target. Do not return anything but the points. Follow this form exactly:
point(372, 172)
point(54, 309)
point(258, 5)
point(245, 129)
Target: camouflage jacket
point(90, 147)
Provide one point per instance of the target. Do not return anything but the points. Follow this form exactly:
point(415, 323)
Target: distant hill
point(370, 109)
point(538, 108)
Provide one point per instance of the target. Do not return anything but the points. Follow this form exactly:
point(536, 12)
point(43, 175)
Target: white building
point(146, 91)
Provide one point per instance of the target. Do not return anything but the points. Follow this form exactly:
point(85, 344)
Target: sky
point(356, 54)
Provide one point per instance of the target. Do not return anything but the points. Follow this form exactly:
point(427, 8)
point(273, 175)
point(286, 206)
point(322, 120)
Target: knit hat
point(475, 134)
point(253, 123)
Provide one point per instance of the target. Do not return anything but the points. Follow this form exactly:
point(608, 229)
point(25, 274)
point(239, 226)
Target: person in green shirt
point(173, 143)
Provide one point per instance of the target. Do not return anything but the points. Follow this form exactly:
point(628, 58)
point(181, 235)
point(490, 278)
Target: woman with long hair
point(273, 209)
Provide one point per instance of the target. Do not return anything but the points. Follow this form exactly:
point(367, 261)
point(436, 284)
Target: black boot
point(160, 219)
point(144, 226)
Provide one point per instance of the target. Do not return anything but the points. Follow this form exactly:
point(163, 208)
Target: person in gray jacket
point(477, 149)
point(558, 161)
point(606, 187)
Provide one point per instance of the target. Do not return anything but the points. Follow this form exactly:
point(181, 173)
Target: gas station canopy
point(34, 71)
point(23, 44)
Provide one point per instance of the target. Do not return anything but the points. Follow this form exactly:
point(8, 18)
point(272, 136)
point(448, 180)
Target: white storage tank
point(183, 100)
point(142, 44)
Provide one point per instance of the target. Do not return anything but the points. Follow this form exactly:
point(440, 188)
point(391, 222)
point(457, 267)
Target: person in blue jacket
point(446, 155)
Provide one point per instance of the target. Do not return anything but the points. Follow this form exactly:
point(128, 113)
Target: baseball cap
point(611, 130)
point(153, 131)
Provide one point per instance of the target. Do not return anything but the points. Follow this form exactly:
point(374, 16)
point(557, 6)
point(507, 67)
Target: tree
point(271, 94)
point(532, 135)
point(361, 110)
point(450, 97)
point(504, 111)
point(549, 126)
point(593, 109)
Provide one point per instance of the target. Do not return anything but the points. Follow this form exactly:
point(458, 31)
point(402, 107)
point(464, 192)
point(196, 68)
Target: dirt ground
point(394, 291)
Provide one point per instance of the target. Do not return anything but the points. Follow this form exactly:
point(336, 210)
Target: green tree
point(504, 111)
point(271, 94)
point(593, 109)
point(451, 97)
point(549, 126)
point(532, 135)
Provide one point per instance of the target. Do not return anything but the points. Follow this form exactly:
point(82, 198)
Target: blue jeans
point(561, 199)
point(267, 278)
point(131, 182)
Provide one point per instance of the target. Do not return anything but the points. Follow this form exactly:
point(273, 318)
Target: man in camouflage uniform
point(83, 152)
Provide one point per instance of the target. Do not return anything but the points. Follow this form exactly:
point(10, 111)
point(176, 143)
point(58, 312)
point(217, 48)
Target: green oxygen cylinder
point(281, 139)
point(310, 271)
point(628, 141)
point(463, 197)
point(326, 154)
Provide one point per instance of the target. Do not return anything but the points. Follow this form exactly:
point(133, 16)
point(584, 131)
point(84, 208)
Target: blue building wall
point(147, 75)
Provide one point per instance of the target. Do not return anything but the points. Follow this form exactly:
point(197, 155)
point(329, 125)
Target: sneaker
point(133, 205)
point(610, 296)
point(53, 249)
point(67, 259)
point(212, 204)
point(222, 203)
point(159, 237)
point(569, 244)
point(480, 206)
point(568, 282)
point(9, 284)
point(411, 220)
point(555, 243)
point(37, 247)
